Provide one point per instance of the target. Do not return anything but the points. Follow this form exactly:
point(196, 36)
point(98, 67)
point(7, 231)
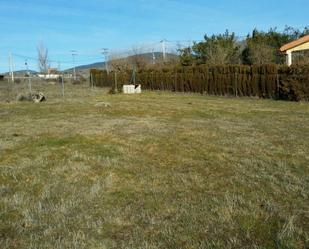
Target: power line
point(164, 46)
point(53, 61)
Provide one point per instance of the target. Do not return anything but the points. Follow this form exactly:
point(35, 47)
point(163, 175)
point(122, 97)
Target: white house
point(298, 45)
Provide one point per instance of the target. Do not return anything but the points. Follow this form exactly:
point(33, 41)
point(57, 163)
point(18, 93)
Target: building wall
point(304, 46)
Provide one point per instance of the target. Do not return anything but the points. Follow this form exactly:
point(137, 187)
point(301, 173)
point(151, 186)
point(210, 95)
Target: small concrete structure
point(52, 74)
point(132, 89)
point(298, 45)
point(49, 76)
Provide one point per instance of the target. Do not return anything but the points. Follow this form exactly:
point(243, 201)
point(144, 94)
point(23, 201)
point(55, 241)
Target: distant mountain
point(84, 69)
point(21, 73)
point(96, 65)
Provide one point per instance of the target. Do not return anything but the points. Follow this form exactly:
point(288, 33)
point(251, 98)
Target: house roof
point(295, 43)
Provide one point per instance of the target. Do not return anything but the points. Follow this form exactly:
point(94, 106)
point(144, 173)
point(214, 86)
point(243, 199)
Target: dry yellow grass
point(157, 170)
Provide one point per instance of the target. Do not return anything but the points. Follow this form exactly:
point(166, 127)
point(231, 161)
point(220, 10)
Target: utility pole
point(28, 74)
point(163, 48)
point(74, 53)
point(62, 84)
point(104, 51)
point(153, 57)
point(11, 67)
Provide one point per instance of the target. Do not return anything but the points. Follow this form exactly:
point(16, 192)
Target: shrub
point(264, 81)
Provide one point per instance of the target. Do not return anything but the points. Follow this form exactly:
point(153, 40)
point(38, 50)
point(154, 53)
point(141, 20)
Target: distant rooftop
point(295, 43)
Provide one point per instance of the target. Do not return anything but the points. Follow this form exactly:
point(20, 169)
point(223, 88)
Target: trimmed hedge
point(265, 81)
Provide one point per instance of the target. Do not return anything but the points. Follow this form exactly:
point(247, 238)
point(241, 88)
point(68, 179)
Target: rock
point(35, 97)
point(103, 104)
point(38, 97)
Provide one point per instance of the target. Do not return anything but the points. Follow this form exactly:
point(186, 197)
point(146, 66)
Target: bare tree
point(118, 63)
point(135, 58)
point(43, 61)
point(138, 58)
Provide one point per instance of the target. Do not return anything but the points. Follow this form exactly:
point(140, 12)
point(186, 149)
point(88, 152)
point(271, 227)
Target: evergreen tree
point(258, 48)
point(263, 47)
point(216, 49)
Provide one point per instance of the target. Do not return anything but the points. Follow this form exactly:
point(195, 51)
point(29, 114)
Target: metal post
point(91, 81)
point(28, 74)
point(62, 83)
point(278, 85)
point(134, 76)
point(74, 67)
point(11, 67)
point(116, 83)
point(236, 82)
point(175, 85)
point(30, 84)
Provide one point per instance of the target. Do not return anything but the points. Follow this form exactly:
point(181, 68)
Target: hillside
point(84, 69)
point(148, 57)
point(20, 73)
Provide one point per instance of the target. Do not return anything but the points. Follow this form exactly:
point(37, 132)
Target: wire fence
point(22, 77)
point(60, 88)
point(17, 61)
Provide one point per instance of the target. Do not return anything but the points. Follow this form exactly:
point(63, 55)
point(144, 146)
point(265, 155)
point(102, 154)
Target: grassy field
point(158, 170)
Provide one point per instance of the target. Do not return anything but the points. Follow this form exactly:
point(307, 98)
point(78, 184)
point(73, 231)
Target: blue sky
point(88, 26)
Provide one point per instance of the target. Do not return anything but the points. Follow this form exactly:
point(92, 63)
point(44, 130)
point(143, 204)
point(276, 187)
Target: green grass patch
point(157, 170)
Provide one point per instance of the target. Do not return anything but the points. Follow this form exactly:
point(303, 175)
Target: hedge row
point(265, 81)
